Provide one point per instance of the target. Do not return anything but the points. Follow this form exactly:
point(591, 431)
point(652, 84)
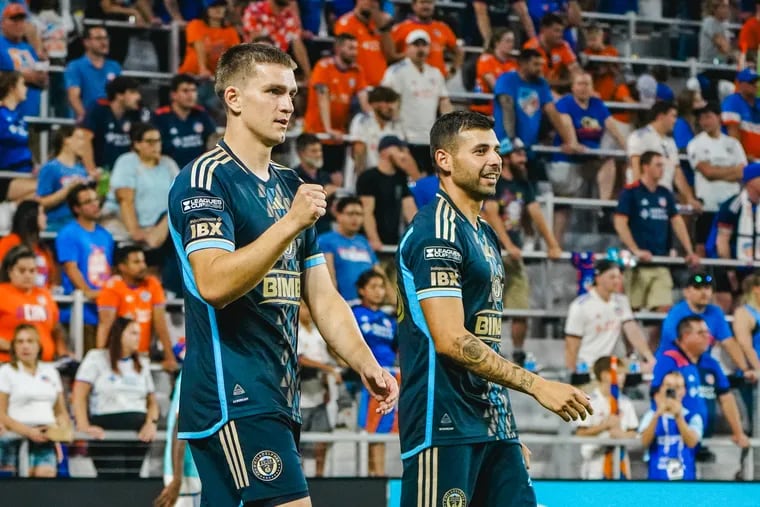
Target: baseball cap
point(14, 10)
point(751, 171)
point(216, 3)
point(416, 36)
point(508, 146)
point(603, 265)
point(747, 75)
point(700, 280)
point(388, 141)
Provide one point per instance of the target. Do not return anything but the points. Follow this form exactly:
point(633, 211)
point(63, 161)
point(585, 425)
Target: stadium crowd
point(369, 96)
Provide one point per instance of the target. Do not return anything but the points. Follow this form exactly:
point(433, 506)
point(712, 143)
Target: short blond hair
point(238, 63)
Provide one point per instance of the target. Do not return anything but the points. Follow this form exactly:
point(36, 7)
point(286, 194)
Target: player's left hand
point(382, 386)
point(169, 495)
point(526, 455)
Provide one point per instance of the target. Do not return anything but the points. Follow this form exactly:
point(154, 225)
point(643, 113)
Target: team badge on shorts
point(454, 497)
point(267, 466)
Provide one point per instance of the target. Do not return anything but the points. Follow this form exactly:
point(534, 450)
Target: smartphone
point(670, 393)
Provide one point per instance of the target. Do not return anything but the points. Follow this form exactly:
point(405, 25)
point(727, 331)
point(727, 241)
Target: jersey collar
point(441, 194)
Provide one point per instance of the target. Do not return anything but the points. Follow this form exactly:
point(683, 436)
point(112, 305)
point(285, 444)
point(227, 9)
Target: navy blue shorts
point(253, 460)
point(488, 474)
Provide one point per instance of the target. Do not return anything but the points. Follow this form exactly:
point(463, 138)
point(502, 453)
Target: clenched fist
point(309, 204)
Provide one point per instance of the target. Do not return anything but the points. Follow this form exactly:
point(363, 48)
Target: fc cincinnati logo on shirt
point(266, 466)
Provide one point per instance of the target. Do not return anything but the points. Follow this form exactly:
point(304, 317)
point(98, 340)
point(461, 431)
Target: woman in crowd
point(28, 221)
point(31, 401)
point(23, 302)
point(495, 61)
point(114, 390)
point(746, 328)
point(15, 154)
point(688, 101)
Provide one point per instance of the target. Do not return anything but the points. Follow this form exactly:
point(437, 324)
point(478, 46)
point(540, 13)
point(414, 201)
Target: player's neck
point(699, 309)
point(466, 205)
point(649, 182)
point(96, 59)
point(251, 151)
point(659, 128)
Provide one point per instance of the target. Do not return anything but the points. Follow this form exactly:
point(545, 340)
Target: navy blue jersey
point(444, 255)
point(111, 134)
point(184, 140)
point(649, 215)
point(241, 360)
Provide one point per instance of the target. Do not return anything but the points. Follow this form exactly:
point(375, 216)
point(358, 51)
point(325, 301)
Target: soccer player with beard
point(243, 230)
point(459, 442)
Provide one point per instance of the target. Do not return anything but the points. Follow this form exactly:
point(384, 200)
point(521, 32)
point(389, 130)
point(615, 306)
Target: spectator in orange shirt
point(559, 60)
point(333, 85)
point(495, 61)
point(442, 38)
point(21, 301)
point(371, 27)
point(749, 38)
point(135, 295)
point(28, 221)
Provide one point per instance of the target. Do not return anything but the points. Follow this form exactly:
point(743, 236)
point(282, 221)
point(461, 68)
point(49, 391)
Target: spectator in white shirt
point(118, 385)
point(595, 320)
point(718, 161)
point(31, 401)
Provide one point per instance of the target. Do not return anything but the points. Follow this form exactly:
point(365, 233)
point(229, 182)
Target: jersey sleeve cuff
point(313, 261)
point(202, 244)
point(439, 293)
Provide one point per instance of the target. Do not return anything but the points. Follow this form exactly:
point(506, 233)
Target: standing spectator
point(31, 401)
point(749, 39)
point(521, 98)
point(280, 21)
point(311, 169)
point(185, 127)
point(114, 390)
point(62, 172)
point(718, 161)
point(506, 214)
point(23, 302)
point(715, 35)
point(110, 120)
point(741, 113)
point(368, 128)
point(657, 137)
point(566, 9)
point(28, 222)
point(17, 54)
point(423, 95)
point(645, 220)
point(335, 82)
point(15, 154)
point(371, 27)
point(687, 103)
point(613, 417)
point(379, 330)
point(385, 196)
point(348, 254)
point(492, 63)
point(747, 333)
point(671, 433)
point(479, 27)
point(87, 76)
point(134, 294)
point(560, 61)
point(85, 250)
point(316, 366)
point(442, 38)
point(596, 319)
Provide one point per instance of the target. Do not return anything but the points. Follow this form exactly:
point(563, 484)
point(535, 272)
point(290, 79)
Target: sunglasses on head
point(701, 280)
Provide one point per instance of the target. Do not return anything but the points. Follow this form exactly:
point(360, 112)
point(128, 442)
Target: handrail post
point(616, 462)
point(174, 40)
point(693, 67)
point(363, 461)
point(76, 323)
point(628, 44)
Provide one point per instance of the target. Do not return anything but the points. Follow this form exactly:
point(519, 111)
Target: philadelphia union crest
point(454, 497)
point(266, 466)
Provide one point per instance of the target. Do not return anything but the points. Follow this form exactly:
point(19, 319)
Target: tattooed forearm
point(507, 104)
point(480, 359)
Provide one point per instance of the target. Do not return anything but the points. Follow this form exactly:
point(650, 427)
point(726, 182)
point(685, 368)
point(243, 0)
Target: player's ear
point(232, 99)
point(444, 161)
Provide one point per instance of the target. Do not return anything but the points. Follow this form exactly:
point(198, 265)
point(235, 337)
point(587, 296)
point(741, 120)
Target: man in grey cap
point(505, 212)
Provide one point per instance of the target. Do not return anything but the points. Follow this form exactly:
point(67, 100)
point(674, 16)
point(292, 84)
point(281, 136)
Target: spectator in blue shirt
point(87, 76)
point(347, 253)
point(185, 126)
point(424, 189)
point(697, 296)
point(645, 220)
point(521, 98)
point(17, 54)
point(570, 9)
point(85, 250)
point(685, 128)
point(15, 154)
point(671, 433)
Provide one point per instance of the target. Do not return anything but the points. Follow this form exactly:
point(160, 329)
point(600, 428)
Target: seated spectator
point(663, 91)
point(495, 61)
point(371, 28)
point(58, 175)
point(185, 127)
point(114, 390)
point(311, 169)
point(207, 38)
point(560, 61)
point(31, 402)
point(22, 302)
point(749, 38)
point(87, 76)
point(385, 197)
point(134, 294)
point(347, 252)
point(109, 121)
point(85, 251)
point(614, 417)
point(747, 333)
point(17, 54)
point(646, 218)
point(139, 185)
point(686, 126)
point(28, 222)
point(15, 154)
point(566, 9)
point(741, 113)
point(316, 366)
point(671, 433)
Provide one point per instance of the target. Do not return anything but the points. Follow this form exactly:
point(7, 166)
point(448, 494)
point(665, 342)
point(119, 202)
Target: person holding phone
point(670, 433)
